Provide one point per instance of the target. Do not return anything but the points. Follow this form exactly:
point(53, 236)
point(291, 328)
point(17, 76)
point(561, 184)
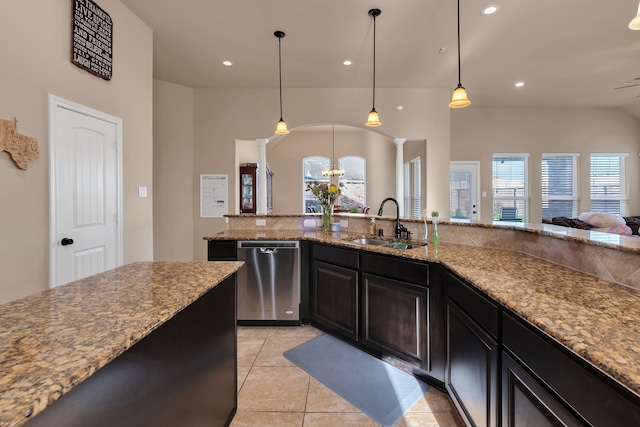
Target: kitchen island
point(588, 321)
point(148, 343)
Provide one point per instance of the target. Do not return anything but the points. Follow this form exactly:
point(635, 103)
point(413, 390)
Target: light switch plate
point(142, 192)
point(344, 223)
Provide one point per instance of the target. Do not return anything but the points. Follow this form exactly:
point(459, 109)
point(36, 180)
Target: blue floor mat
point(379, 390)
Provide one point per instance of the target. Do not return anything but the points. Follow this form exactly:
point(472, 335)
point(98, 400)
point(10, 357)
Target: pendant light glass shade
point(635, 22)
point(459, 98)
point(374, 119)
point(281, 127)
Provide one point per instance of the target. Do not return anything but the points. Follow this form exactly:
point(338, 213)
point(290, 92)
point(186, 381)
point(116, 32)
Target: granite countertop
point(53, 340)
point(596, 319)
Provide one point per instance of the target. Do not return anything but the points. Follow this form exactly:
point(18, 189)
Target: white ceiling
point(568, 52)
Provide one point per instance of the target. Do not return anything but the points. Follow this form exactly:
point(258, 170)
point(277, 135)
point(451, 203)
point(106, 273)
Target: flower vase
point(327, 211)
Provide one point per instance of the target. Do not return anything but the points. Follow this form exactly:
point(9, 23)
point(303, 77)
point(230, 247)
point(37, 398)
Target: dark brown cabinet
point(334, 290)
point(472, 353)
point(249, 188)
point(525, 402)
point(394, 307)
point(543, 380)
point(334, 297)
point(395, 318)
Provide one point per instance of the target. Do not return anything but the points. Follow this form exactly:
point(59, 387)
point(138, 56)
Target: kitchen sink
point(368, 241)
point(385, 243)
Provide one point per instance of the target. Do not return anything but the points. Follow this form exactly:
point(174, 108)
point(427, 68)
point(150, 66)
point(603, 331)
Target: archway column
point(400, 172)
point(262, 176)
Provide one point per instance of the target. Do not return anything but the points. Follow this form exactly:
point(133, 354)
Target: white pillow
point(601, 219)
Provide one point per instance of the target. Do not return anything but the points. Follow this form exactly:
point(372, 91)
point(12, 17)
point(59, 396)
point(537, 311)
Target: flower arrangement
point(327, 194)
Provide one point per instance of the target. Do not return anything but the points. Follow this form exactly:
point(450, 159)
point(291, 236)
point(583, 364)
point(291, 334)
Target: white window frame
point(623, 197)
point(341, 160)
point(524, 199)
point(307, 194)
point(412, 179)
point(574, 197)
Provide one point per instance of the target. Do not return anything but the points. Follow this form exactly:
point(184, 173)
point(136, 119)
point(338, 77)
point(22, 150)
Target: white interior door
point(464, 191)
point(86, 235)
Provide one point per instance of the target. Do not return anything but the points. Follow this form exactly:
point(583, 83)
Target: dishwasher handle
point(268, 250)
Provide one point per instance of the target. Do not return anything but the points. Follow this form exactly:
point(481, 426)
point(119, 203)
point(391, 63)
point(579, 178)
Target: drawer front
point(337, 256)
point(479, 308)
point(396, 268)
point(221, 250)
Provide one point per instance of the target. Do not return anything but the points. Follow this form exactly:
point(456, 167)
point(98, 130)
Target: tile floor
point(274, 392)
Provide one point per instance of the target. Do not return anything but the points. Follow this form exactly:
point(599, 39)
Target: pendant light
point(373, 119)
point(281, 128)
point(459, 99)
point(635, 22)
point(333, 171)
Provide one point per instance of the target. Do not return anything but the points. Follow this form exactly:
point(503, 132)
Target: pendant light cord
point(373, 102)
point(459, 77)
point(280, 68)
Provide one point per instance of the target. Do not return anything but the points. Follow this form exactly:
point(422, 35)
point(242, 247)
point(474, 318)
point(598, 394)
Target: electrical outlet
point(261, 222)
point(142, 192)
point(344, 223)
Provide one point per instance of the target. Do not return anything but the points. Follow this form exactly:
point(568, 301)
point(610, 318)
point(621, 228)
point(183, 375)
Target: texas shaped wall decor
point(21, 148)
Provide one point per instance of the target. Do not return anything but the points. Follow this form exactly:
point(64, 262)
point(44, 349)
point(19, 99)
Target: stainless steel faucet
point(399, 227)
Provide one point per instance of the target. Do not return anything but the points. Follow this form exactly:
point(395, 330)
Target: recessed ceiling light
point(519, 84)
point(400, 107)
point(227, 63)
point(490, 10)
point(347, 62)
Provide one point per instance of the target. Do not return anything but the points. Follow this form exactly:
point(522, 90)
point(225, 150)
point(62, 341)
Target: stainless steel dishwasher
point(269, 283)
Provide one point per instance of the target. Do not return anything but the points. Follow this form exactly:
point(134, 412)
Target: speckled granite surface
point(52, 341)
point(597, 319)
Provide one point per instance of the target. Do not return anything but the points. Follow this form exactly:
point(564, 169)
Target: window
point(609, 189)
point(412, 176)
point(559, 185)
point(353, 194)
point(510, 184)
point(312, 168)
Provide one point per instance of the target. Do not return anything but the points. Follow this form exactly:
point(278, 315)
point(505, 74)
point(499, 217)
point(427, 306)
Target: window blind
point(609, 186)
point(416, 195)
point(559, 185)
point(510, 184)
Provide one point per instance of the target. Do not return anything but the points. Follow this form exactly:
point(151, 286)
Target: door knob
point(66, 241)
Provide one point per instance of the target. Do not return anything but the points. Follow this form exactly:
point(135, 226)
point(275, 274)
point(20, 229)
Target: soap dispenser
point(373, 228)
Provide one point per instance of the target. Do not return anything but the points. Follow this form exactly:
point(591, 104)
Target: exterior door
point(86, 234)
point(464, 190)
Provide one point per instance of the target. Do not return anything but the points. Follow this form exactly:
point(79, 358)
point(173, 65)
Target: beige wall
point(172, 172)
point(286, 154)
point(477, 133)
point(223, 116)
point(35, 44)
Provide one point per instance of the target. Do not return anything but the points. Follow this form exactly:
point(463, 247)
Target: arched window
point(353, 195)
point(312, 168)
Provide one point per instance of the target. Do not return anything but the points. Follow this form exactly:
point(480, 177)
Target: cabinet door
point(472, 363)
point(395, 318)
point(248, 186)
point(525, 403)
point(334, 299)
